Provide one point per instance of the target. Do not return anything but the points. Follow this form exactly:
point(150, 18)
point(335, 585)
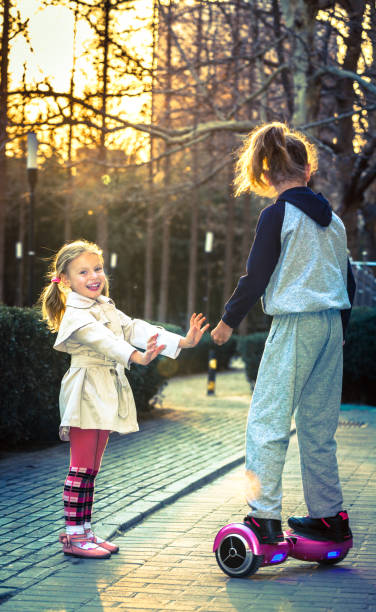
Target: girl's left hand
point(152, 351)
point(195, 331)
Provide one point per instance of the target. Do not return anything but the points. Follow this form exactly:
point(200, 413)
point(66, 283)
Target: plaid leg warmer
point(74, 495)
point(89, 498)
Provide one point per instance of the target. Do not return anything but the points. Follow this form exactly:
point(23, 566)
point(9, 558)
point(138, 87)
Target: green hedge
point(30, 378)
point(31, 372)
point(359, 369)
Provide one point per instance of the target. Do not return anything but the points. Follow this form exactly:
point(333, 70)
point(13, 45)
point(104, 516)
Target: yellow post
point(212, 369)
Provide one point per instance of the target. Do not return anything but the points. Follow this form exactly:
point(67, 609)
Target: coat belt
point(86, 361)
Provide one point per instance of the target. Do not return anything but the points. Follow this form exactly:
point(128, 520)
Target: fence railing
point(365, 278)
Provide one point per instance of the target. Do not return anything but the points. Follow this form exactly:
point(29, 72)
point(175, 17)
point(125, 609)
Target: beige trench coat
point(95, 393)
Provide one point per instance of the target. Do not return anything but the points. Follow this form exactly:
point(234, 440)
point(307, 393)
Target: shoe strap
point(91, 537)
point(72, 538)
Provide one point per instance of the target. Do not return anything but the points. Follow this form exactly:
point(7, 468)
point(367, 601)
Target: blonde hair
point(54, 296)
point(276, 153)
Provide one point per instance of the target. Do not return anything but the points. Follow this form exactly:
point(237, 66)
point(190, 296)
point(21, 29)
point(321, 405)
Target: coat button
point(113, 371)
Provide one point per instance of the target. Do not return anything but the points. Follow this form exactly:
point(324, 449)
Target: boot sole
point(318, 537)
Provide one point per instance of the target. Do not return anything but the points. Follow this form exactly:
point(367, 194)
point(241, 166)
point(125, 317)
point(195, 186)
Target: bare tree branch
point(257, 93)
point(335, 118)
point(347, 74)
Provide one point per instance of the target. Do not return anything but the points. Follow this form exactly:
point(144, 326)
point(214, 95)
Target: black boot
point(268, 531)
point(333, 528)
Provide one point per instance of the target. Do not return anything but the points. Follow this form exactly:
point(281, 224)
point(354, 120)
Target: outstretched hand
point(195, 332)
point(152, 351)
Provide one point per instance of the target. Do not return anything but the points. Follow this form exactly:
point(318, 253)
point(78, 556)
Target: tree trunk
point(3, 136)
point(102, 212)
point(230, 223)
point(300, 18)
point(351, 197)
point(285, 75)
point(69, 197)
point(149, 243)
point(195, 204)
point(19, 301)
point(165, 257)
point(229, 240)
point(165, 263)
point(245, 247)
point(20, 261)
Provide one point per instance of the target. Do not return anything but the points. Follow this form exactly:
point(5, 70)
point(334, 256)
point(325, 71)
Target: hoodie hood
point(312, 204)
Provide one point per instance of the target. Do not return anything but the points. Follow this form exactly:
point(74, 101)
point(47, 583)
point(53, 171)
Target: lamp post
point(113, 261)
point(32, 175)
point(212, 364)
point(113, 265)
point(19, 255)
point(209, 237)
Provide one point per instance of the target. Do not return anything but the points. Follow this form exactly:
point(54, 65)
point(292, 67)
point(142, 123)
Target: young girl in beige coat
point(95, 396)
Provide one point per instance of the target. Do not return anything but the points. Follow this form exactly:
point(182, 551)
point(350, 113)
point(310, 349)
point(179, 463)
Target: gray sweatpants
point(301, 372)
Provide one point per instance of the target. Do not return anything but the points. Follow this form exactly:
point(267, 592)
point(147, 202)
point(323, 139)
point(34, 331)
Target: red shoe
point(78, 545)
point(112, 548)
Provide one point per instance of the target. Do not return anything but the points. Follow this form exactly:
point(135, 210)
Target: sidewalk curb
point(149, 506)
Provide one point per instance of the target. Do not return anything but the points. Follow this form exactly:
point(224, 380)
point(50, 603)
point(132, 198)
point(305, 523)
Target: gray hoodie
point(298, 261)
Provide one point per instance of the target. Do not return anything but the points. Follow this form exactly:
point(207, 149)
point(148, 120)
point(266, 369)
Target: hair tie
point(55, 280)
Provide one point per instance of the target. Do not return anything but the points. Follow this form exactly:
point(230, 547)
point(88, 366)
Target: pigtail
point(53, 300)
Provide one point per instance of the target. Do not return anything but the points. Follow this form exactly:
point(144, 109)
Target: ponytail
point(272, 154)
point(53, 299)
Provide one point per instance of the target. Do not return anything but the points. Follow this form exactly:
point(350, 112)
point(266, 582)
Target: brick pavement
point(165, 562)
point(177, 450)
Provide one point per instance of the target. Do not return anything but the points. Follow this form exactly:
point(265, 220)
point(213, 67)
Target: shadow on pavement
point(295, 588)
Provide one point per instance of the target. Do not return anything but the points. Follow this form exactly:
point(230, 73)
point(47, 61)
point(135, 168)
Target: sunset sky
point(51, 57)
point(52, 41)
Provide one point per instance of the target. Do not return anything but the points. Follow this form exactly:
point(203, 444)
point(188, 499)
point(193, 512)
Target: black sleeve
point(261, 262)
point(351, 286)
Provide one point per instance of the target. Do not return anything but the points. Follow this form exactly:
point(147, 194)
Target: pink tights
point(87, 448)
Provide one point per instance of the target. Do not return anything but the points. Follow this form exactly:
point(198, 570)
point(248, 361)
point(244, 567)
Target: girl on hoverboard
point(298, 266)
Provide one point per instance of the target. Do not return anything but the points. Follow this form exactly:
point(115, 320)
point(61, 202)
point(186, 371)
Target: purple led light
point(277, 557)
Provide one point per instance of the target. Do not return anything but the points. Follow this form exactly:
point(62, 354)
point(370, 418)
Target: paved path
point(165, 562)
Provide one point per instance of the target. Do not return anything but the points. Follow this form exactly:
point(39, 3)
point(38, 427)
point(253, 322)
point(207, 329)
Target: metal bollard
point(212, 369)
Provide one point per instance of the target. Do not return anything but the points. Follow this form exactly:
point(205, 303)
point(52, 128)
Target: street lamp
point(32, 174)
point(212, 364)
point(113, 265)
point(19, 255)
point(209, 237)
point(113, 261)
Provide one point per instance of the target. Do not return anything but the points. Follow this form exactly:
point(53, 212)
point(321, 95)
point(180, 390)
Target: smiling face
point(85, 275)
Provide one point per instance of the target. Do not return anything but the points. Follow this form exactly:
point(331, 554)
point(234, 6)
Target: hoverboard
point(239, 552)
